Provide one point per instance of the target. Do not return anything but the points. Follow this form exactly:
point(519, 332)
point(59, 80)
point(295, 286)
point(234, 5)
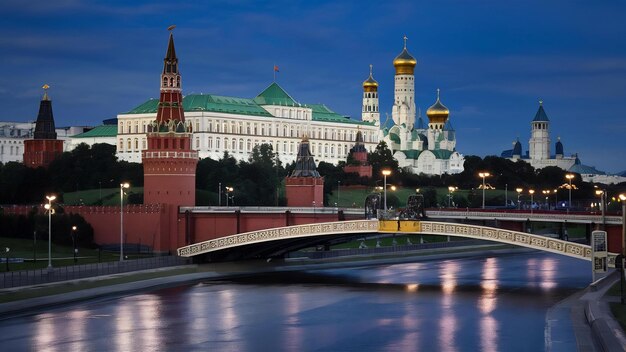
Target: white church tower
point(370, 111)
point(539, 143)
point(403, 111)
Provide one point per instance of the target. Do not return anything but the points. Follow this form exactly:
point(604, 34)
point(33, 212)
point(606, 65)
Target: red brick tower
point(169, 163)
point(305, 186)
point(45, 146)
point(358, 155)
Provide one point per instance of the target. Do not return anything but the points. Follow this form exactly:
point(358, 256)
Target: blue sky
point(493, 61)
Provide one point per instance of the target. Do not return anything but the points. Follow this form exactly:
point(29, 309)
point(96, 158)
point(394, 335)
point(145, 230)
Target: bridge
point(278, 241)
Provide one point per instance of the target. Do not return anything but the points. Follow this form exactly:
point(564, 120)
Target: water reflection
point(453, 305)
point(293, 340)
point(448, 322)
point(45, 335)
point(488, 299)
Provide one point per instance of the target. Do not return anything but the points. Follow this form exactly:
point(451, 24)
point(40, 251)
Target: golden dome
point(370, 84)
point(405, 62)
point(437, 113)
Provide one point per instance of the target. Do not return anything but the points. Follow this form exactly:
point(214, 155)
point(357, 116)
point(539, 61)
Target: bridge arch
point(522, 239)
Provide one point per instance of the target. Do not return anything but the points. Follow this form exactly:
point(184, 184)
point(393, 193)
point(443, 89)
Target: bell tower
point(169, 163)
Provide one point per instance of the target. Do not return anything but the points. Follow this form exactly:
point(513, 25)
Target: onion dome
point(405, 62)
point(438, 113)
point(370, 84)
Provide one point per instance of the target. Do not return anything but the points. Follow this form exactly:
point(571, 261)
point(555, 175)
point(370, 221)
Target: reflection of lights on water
point(229, 318)
point(196, 309)
point(293, 335)
point(77, 323)
point(123, 326)
point(548, 273)
point(412, 287)
point(447, 275)
point(149, 320)
point(447, 328)
point(541, 273)
point(488, 300)
point(45, 334)
point(489, 333)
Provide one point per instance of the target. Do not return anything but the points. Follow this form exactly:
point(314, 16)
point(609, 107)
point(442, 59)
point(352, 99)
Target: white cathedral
point(418, 148)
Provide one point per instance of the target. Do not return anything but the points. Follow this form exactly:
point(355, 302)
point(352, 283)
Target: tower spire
point(405, 38)
point(45, 92)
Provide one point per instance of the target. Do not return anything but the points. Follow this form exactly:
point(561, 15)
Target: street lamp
point(451, 190)
point(338, 192)
point(73, 234)
point(622, 197)
point(48, 207)
point(519, 194)
point(570, 177)
point(123, 186)
point(228, 190)
point(602, 195)
point(483, 175)
point(385, 174)
point(546, 192)
point(532, 201)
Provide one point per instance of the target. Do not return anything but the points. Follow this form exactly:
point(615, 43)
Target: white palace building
point(235, 125)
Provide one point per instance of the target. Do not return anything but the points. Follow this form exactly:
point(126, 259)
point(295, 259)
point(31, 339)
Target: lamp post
point(385, 174)
point(602, 194)
point(451, 190)
point(483, 175)
point(570, 177)
point(228, 190)
point(519, 194)
point(546, 192)
point(622, 197)
point(48, 207)
point(219, 194)
point(532, 199)
point(123, 186)
point(338, 192)
point(73, 234)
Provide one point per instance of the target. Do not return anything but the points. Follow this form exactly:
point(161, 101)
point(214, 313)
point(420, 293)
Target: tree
point(382, 158)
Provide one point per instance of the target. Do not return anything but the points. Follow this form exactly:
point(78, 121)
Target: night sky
point(493, 61)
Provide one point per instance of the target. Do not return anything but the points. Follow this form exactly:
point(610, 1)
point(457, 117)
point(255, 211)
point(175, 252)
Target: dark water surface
point(477, 304)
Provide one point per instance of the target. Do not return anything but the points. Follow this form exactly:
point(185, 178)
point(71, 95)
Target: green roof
point(442, 153)
point(99, 131)
point(394, 137)
point(411, 154)
point(274, 95)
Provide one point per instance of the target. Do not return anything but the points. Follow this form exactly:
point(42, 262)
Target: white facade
point(215, 132)
point(539, 143)
point(403, 110)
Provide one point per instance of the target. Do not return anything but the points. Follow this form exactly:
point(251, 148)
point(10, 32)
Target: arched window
point(121, 145)
point(128, 143)
point(217, 143)
point(210, 143)
point(240, 144)
point(136, 143)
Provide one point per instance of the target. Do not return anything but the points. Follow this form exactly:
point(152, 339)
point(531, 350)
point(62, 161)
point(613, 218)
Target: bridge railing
point(517, 215)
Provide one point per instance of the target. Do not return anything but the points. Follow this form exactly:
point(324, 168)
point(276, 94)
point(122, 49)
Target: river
point(497, 303)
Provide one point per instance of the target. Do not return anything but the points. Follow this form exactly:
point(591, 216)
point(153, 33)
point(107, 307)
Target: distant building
point(44, 146)
point(358, 154)
point(539, 155)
